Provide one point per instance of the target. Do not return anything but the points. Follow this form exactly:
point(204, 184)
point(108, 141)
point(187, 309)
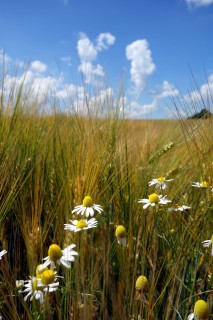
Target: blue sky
point(148, 46)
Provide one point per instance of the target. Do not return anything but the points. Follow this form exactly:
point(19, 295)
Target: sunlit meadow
point(101, 217)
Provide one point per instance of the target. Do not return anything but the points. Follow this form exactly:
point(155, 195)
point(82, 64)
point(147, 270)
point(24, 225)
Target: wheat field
point(50, 162)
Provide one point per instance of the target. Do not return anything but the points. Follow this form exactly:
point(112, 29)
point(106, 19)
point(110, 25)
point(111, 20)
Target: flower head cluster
point(153, 200)
point(36, 287)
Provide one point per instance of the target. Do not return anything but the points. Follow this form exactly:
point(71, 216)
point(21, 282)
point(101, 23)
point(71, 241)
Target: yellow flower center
point(177, 206)
point(47, 277)
point(141, 283)
point(161, 179)
point(40, 270)
point(201, 309)
point(81, 224)
point(204, 184)
point(120, 232)
point(54, 252)
point(154, 198)
point(87, 202)
point(34, 285)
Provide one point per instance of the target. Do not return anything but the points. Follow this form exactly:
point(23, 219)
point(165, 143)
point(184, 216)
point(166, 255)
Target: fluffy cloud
point(142, 65)
point(203, 95)
point(86, 49)
point(104, 40)
point(88, 52)
point(136, 110)
point(38, 66)
point(166, 90)
point(91, 71)
point(198, 3)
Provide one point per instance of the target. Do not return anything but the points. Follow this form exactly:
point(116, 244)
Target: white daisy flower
point(81, 224)
point(56, 256)
point(202, 184)
point(177, 207)
point(120, 234)
point(2, 253)
point(34, 289)
point(153, 200)
point(208, 243)
point(87, 208)
point(159, 182)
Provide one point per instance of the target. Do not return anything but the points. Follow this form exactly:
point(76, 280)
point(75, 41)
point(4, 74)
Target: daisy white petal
point(3, 252)
point(191, 316)
point(146, 205)
point(208, 243)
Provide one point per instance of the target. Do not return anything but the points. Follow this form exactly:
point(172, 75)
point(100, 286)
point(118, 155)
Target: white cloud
point(166, 90)
point(136, 110)
point(105, 40)
point(86, 49)
point(199, 3)
point(38, 66)
point(71, 91)
point(4, 57)
point(91, 71)
point(88, 52)
point(203, 94)
point(142, 65)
